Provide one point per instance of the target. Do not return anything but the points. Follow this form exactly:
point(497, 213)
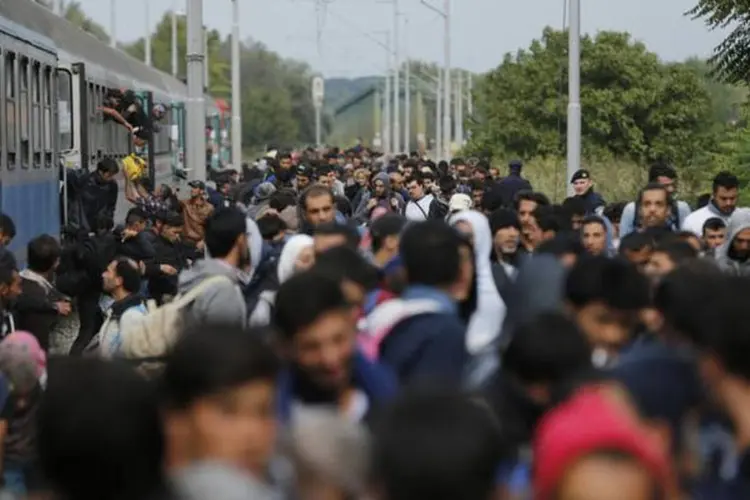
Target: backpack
point(377, 326)
point(150, 339)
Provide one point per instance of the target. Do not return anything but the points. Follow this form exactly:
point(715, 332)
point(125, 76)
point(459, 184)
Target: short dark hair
point(43, 252)
point(590, 280)
point(130, 274)
point(135, 215)
point(336, 229)
point(713, 224)
point(661, 170)
point(343, 263)
point(304, 298)
point(385, 226)
point(614, 211)
point(7, 226)
point(725, 180)
point(315, 191)
point(209, 361)
point(117, 434)
point(107, 166)
point(547, 219)
point(594, 219)
point(431, 253)
point(653, 186)
point(574, 205)
point(270, 226)
point(634, 242)
point(547, 349)
point(441, 445)
point(564, 243)
point(539, 198)
point(677, 250)
point(223, 227)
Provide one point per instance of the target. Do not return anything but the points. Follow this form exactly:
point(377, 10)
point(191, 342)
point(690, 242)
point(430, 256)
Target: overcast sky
point(483, 30)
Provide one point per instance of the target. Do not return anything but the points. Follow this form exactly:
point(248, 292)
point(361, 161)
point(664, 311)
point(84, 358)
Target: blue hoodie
point(373, 379)
point(429, 346)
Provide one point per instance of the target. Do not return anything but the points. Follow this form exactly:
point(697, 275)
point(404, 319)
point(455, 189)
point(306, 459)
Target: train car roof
point(18, 31)
point(78, 43)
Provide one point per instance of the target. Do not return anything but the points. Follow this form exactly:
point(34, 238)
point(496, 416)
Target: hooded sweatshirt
point(361, 213)
point(695, 221)
point(486, 322)
point(223, 302)
point(725, 257)
point(285, 269)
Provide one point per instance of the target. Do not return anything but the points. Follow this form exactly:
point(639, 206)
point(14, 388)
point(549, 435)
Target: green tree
point(73, 12)
point(632, 105)
point(730, 60)
point(276, 101)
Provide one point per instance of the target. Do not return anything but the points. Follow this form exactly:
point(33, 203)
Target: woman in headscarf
point(487, 320)
point(298, 255)
point(23, 365)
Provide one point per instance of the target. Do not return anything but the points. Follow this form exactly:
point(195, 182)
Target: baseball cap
point(589, 422)
point(305, 171)
point(579, 175)
point(460, 202)
point(197, 184)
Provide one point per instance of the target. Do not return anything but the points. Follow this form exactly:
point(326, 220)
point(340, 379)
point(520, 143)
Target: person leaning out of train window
point(196, 210)
point(151, 201)
point(112, 108)
point(94, 193)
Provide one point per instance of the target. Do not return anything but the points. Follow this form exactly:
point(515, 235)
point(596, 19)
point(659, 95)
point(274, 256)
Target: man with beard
point(506, 237)
point(227, 244)
point(722, 205)
point(733, 256)
point(317, 329)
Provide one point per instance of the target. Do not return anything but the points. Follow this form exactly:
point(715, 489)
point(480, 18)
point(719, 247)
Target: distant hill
point(341, 90)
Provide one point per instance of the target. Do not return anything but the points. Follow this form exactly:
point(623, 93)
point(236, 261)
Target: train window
point(65, 117)
point(23, 103)
point(47, 99)
point(36, 112)
point(10, 106)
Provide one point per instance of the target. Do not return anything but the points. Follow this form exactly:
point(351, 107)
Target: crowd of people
point(337, 325)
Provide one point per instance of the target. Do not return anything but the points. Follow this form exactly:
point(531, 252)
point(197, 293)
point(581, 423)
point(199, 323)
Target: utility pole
point(447, 78)
point(112, 23)
point(457, 109)
point(574, 92)
point(407, 96)
point(446, 13)
point(175, 64)
point(470, 96)
point(396, 82)
point(196, 119)
point(460, 112)
point(205, 60)
point(236, 99)
point(439, 117)
point(147, 44)
point(318, 83)
point(387, 118)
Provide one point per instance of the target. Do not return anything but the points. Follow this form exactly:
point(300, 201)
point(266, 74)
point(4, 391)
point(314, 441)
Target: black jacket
point(35, 310)
point(176, 254)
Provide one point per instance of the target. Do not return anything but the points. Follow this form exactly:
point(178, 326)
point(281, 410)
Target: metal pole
point(439, 117)
point(205, 61)
point(147, 45)
point(236, 99)
point(112, 23)
point(388, 117)
point(175, 64)
point(196, 117)
point(470, 97)
point(574, 92)
point(447, 84)
point(456, 115)
point(407, 98)
point(396, 82)
point(460, 117)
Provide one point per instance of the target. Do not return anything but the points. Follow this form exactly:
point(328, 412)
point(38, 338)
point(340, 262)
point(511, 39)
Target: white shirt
point(418, 211)
point(695, 221)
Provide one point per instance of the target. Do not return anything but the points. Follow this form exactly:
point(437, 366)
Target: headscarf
point(22, 361)
point(486, 322)
point(288, 258)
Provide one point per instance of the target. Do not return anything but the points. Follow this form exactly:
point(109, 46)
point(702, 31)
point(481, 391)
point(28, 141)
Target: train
point(54, 78)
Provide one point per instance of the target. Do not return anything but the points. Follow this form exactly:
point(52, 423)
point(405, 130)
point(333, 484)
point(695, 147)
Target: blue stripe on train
point(35, 209)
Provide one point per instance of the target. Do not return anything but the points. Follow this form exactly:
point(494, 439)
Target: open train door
point(72, 107)
point(146, 99)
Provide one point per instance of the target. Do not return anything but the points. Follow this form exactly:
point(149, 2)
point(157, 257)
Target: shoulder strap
point(421, 209)
point(193, 294)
